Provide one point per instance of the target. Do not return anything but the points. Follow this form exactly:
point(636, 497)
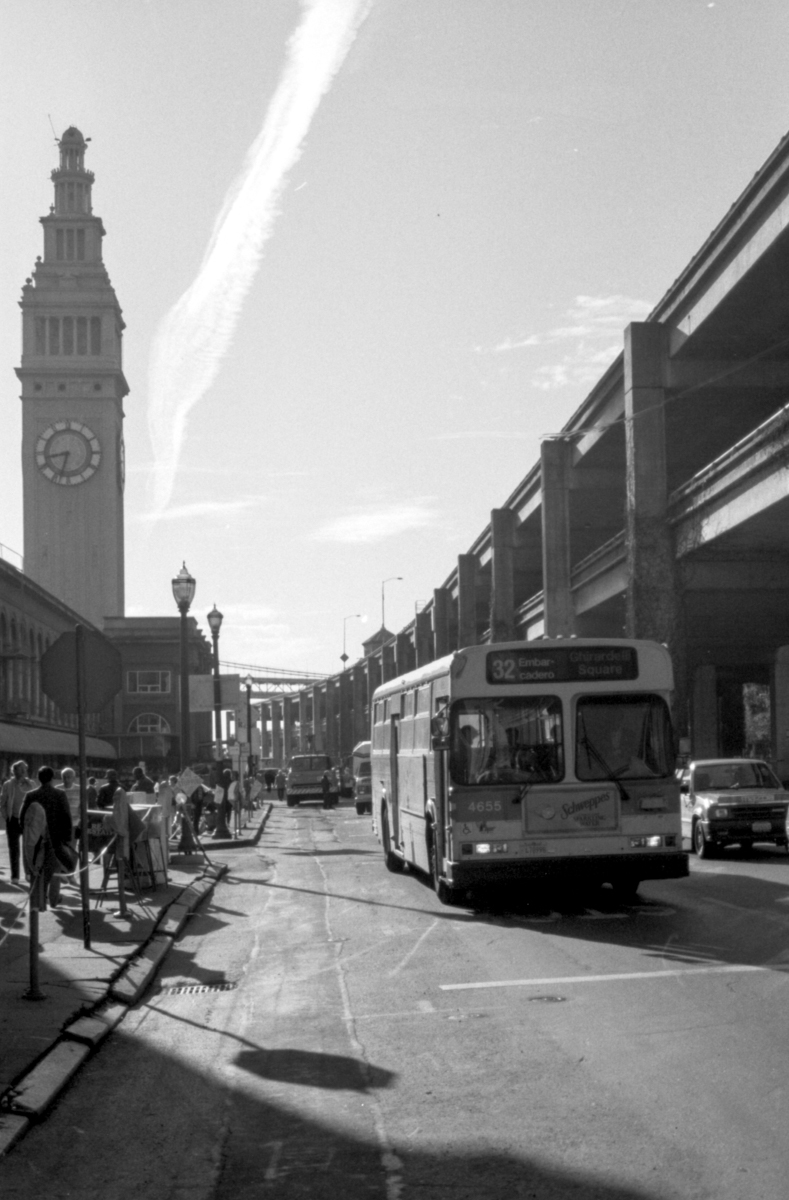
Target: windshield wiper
point(593, 752)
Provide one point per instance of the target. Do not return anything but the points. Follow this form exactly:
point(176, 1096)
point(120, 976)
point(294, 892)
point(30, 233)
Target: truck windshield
point(512, 739)
point(721, 777)
point(310, 762)
point(623, 737)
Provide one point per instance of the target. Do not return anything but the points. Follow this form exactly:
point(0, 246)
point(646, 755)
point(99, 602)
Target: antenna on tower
point(52, 127)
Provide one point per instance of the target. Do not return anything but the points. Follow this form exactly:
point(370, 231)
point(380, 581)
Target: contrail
point(194, 336)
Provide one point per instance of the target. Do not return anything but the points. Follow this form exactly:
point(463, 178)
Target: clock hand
point(63, 455)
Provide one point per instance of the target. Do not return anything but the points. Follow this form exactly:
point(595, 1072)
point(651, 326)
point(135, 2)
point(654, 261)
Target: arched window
point(149, 723)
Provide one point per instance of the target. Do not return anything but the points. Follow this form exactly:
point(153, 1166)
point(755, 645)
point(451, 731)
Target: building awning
point(25, 739)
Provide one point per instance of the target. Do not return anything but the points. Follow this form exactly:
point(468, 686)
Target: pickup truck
point(305, 780)
point(728, 800)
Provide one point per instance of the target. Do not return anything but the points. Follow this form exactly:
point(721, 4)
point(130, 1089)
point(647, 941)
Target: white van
point(362, 778)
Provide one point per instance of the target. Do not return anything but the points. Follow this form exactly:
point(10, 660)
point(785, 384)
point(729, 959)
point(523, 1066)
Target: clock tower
point(72, 404)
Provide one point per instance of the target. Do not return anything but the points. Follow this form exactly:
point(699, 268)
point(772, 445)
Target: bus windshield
point(509, 739)
point(626, 736)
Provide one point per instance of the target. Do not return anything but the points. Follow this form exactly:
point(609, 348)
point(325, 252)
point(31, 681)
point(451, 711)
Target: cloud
point(202, 508)
point(590, 321)
point(377, 524)
point(193, 338)
point(475, 434)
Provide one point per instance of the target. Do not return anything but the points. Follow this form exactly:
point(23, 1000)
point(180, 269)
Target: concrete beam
point(467, 600)
point(555, 456)
point(502, 595)
point(441, 643)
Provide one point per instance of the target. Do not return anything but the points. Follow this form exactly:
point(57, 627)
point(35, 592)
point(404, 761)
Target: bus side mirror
point(439, 732)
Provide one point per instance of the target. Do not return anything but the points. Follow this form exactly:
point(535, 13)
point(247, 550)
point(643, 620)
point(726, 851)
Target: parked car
point(732, 800)
point(362, 778)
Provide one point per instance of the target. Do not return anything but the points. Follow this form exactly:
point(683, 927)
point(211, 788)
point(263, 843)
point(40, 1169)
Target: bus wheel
point(625, 887)
point(445, 893)
point(394, 862)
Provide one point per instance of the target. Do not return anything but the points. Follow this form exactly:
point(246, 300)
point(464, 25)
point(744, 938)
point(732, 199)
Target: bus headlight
point(491, 847)
point(645, 843)
point(719, 810)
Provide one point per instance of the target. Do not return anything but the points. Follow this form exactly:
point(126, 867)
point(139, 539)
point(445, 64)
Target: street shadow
point(328, 853)
point(311, 1069)
point(275, 1144)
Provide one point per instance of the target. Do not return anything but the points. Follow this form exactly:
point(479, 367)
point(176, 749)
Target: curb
point(29, 1098)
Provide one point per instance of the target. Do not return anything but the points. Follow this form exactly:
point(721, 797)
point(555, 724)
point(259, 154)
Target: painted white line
point(503, 983)
point(413, 949)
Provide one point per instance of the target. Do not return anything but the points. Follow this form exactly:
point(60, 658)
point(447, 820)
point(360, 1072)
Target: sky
point(368, 253)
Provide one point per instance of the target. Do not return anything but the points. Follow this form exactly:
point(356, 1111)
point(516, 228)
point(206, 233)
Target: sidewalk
point(43, 1042)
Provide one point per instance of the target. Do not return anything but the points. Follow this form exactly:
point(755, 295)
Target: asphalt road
point(353, 1038)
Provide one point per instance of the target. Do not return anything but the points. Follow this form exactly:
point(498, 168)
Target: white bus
point(530, 760)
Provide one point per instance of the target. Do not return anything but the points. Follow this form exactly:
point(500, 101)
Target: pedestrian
point(141, 782)
point(59, 857)
point(68, 782)
point(326, 783)
point(108, 789)
point(281, 783)
point(93, 791)
point(269, 776)
point(12, 797)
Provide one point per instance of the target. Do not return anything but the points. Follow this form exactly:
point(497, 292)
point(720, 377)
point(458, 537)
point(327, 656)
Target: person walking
point(59, 855)
point(281, 783)
point(142, 783)
point(68, 777)
point(108, 789)
point(12, 797)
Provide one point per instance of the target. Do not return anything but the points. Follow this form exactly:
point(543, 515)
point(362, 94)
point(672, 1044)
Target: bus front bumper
point(602, 869)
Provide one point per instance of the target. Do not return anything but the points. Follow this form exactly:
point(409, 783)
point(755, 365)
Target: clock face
point(68, 452)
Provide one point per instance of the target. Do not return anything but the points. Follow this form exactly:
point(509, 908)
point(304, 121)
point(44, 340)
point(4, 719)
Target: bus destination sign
point(562, 664)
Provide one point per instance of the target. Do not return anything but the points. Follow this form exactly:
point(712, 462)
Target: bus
point(520, 761)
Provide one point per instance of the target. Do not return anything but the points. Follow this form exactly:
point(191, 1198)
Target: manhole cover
point(547, 999)
point(194, 989)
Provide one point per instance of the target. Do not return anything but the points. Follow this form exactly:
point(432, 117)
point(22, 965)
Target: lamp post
point(184, 592)
point(344, 656)
point(250, 760)
point(383, 586)
point(215, 619)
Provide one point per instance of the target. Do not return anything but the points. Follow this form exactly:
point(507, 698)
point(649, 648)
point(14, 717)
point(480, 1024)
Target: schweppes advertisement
point(576, 810)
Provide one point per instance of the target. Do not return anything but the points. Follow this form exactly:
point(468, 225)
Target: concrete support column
point(332, 746)
point(276, 731)
point(346, 716)
point(287, 728)
point(780, 711)
point(441, 643)
point(654, 601)
point(423, 636)
point(388, 669)
point(317, 713)
point(374, 680)
point(502, 595)
point(467, 600)
point(558, 612)
point(404, 653)
point(361, 724)
point(265, 736)
point(304, 721)
point(704, 725)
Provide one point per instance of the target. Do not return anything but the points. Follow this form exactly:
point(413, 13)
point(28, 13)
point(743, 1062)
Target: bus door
point(394, 783)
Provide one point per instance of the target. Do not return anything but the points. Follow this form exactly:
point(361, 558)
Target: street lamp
point(344, 656)
point(184, 593)
point(250, 761)
point(215, 619)
point(383, 585)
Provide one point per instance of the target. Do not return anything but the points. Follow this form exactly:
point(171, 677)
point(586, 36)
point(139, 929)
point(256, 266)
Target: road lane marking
point(503, 983)
point(404, 961)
